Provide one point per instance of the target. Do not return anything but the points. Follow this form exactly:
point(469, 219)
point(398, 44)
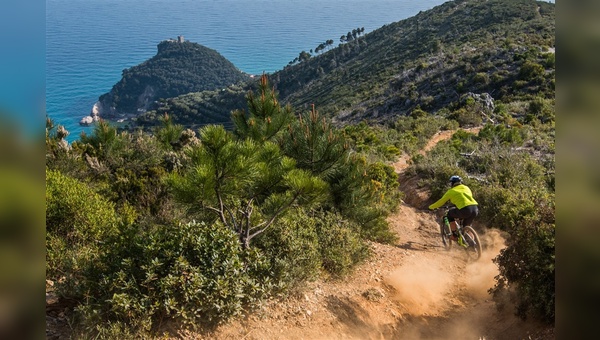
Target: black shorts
point(467, 214)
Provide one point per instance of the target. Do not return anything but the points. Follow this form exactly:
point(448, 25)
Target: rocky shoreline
point(98, 111)
point(94, 115)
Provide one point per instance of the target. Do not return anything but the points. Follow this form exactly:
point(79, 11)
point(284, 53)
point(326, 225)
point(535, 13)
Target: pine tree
point(323, 150)
point(265, 119)
point(246, 185)
point(315, 145)
point(169, 133)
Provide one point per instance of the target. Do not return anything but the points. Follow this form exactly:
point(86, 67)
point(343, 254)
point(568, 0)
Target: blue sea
point(90, 42)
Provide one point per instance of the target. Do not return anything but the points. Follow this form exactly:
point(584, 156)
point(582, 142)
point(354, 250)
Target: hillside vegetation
point(429, 61)
point(202, 225)
point(503, 48)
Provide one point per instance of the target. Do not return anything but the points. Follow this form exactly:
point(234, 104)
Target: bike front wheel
point(473, 244)
point(446, 240)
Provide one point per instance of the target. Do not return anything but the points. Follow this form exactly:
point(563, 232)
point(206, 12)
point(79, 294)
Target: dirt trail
point(413, 289)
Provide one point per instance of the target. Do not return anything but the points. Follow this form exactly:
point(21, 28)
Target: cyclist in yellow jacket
point(461, 196)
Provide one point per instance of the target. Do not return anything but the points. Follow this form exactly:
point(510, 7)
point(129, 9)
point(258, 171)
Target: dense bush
point(340, 244)
point(527, 269)
point(194, 272)
point(531, 70)
point(305, 243)
point(292, 247)
point(59, 155)
point(75, 213)
point(78, 223)
point(130, 171)
point(542, 109)
point(377, 142)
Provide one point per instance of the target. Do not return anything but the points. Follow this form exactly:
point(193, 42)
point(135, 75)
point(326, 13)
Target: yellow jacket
point(459, 195)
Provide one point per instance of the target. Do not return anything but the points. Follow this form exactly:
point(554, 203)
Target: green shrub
point(520, 84)
point(128, 167)
point(195, 273)
point(497, 78)
point(384, 183)
point(461, 86)
point(292, 247)
point(542, 109)
point(481, 78)
point(340, 245)
point(530, 70)
point(466, 117)
point(74, 211)
point(388, 152)
point(78, 222)
point(527, 269)
point(503, 134)
point(550, 60)
point(418, 113)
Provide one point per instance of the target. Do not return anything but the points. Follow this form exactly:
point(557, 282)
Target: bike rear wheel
point(474, 245)
point(446, 240)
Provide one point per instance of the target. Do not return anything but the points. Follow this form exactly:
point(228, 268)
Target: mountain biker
point(461, 196)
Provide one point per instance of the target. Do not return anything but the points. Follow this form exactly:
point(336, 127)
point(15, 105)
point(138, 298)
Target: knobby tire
point(446, 240)
point(474, 245)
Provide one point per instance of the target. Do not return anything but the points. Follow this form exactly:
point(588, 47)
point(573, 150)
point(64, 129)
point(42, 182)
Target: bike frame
point(472, 241)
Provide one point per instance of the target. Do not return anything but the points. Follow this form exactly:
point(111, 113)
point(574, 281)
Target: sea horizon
point(90, 42)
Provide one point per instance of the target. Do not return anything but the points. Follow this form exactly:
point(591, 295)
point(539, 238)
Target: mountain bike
point(466, 237)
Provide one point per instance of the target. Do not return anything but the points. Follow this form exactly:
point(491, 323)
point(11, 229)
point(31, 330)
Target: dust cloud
point(421, 286)
point(435, 290)
point(480, 274)
point(427, 286)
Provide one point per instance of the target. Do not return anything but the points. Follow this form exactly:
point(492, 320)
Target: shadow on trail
point(417, 246)
point(357, 321)
point(348, 312)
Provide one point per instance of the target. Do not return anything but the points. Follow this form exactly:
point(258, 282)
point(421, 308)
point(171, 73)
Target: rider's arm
point(441, 201)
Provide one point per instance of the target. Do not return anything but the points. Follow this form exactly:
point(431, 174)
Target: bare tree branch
point(272, 219)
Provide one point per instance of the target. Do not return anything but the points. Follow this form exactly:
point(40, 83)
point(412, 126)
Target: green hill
point(177, 68)
point(498, 47)
point(503, 48)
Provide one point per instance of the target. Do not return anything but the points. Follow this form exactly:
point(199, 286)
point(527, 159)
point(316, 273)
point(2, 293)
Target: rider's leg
point(453, 214)
point(468, 214)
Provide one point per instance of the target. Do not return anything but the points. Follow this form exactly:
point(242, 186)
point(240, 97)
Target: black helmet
point(455, 179)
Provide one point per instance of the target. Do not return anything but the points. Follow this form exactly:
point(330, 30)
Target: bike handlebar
point(441, 211)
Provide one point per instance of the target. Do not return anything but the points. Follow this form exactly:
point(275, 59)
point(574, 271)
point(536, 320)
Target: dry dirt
point(413, 289)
